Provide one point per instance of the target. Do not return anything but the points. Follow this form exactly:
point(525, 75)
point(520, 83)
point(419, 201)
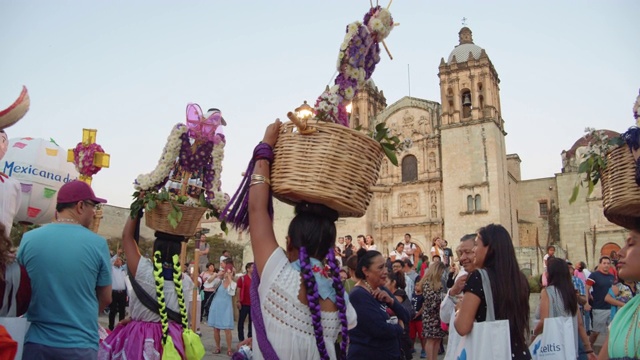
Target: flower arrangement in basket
point(618, 167)
point(322, 162)
point(185, 185)
point(327, 162)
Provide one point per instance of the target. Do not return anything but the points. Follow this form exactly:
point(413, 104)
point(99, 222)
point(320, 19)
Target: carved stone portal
point(409, 204)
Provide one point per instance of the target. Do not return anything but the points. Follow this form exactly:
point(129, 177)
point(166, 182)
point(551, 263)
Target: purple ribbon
point(267, 350)
point(236, 212)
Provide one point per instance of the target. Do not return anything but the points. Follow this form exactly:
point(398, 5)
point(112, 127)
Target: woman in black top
point(495, 253)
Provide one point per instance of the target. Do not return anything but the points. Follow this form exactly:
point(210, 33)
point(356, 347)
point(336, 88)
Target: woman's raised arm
point(263, 239)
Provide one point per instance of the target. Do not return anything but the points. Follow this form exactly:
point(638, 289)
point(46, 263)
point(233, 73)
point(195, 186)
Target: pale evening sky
point(128, 69)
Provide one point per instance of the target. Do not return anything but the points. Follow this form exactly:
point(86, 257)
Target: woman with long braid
point(157, 327)
point(302, 302)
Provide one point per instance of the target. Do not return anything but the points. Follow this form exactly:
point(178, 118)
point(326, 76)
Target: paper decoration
point(19, 145)
point(26, 188)
point(48, 193)
point(33, 212)
point(51, 152)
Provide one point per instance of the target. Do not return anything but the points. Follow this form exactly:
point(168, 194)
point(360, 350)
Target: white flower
point(353, 27)
point(348, 93)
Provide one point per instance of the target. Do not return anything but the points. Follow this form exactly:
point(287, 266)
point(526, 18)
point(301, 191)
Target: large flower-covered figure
point(358, 56)
point(192, 158)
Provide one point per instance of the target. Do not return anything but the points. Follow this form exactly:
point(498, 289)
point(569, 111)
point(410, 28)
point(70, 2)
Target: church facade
point(458, 177)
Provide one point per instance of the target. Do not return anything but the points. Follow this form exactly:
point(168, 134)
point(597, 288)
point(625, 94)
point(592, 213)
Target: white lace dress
point(286, 320)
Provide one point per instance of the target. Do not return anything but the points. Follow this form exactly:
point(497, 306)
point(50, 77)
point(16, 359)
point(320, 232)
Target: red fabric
point(244, 284)
point(415, 329)
point(423, 268)
point(24, 292)
point(8, 347)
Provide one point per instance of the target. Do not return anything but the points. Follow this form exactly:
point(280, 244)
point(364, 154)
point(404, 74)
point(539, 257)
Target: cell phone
point(228, 267)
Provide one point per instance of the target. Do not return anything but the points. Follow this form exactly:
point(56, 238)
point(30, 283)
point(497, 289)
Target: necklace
point(62, 220)
point(367, 286)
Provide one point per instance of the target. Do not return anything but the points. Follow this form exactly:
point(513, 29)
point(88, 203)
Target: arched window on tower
point(481, 101)
point(479, 86)
point(470, 203)
point(409, 168)
point(478, 203)
point(434, 211)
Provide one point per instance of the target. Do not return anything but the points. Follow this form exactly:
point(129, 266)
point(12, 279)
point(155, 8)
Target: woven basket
point(191, 216)
point(620, 193)
point(334, 166)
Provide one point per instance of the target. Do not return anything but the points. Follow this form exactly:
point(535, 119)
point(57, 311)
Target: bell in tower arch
point(466, 104)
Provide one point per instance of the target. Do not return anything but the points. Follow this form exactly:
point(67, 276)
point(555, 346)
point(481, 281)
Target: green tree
point(18, 230)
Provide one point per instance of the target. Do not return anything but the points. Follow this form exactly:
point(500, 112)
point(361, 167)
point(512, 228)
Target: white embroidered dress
point(287, 321)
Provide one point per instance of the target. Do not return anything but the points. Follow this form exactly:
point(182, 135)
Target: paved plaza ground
point(209, 344)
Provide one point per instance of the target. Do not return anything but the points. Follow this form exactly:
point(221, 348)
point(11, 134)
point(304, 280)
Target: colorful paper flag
point(26, 188)
point(48, 193)
point(51, 152)
point(33, 212)
point(19, 145)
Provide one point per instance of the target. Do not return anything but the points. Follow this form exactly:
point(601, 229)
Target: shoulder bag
point(558, 338)
point(490, 339)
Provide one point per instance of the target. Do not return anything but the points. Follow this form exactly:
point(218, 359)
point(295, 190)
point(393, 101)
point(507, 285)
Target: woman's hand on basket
point(271, 134)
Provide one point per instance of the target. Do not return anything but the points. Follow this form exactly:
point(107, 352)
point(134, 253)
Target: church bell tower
point(474, 166)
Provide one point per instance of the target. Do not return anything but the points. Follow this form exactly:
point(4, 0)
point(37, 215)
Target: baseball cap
point(75, 191)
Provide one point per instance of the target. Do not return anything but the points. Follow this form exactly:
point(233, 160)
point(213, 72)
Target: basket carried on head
point(620, 193)
point(157, 218)
point(334, 166)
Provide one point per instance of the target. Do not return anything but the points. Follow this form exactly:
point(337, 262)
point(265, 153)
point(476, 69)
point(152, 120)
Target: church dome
point(584, 141)
point(461, 52)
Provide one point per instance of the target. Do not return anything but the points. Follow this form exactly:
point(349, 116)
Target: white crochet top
point(287, 321)
point(144, 277)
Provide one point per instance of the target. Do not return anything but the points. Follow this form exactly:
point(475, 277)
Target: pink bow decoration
point(201, 128)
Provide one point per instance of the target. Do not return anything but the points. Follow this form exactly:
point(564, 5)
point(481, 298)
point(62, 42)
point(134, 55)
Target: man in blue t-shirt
point(70, 275)
point(600, 281)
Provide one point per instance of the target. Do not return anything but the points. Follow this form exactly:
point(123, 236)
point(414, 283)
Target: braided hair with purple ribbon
point(312, 231)
point(340, 302)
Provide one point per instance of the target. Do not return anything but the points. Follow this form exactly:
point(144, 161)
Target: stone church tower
point(475, 179)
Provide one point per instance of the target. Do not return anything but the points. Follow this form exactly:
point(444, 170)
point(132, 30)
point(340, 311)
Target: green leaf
point(389, 146)
point(223, 227)
point(172, 221)
point(391, 155)
point(615, 141)
point(591, 185)
point(151, 204)
point(584, 167)
point(574, 194)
